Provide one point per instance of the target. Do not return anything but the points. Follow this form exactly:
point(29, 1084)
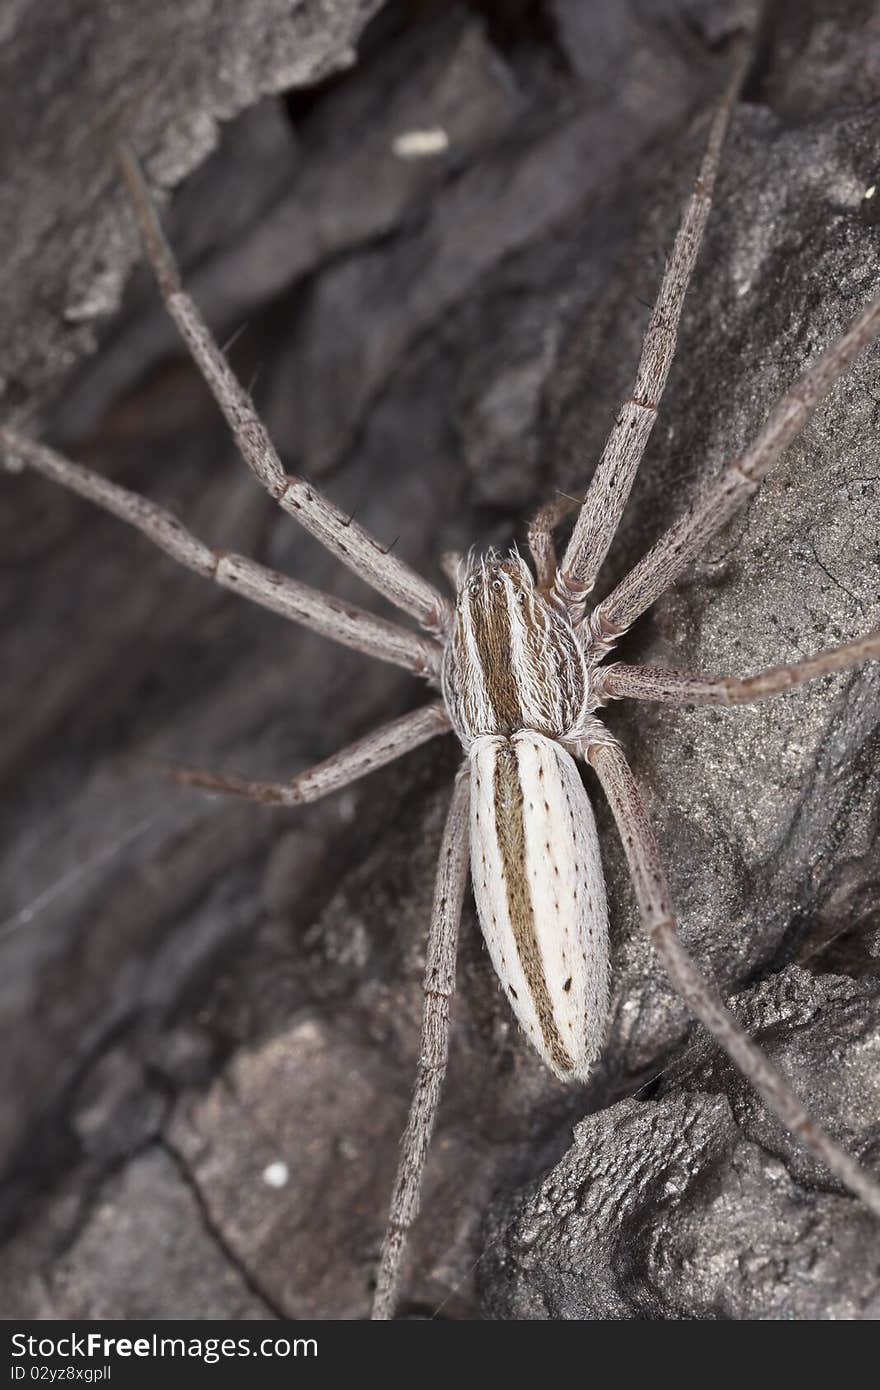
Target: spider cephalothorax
point(514, 661)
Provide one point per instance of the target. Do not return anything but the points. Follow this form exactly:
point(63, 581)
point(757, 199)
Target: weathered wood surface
point(193, 990)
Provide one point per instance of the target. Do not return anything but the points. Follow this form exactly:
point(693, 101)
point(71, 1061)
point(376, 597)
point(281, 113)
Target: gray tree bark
point(209, 1010)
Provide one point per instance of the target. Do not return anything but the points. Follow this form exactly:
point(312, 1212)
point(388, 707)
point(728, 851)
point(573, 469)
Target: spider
point(519, 665)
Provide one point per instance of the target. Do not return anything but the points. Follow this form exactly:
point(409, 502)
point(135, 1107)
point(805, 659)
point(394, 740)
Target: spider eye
point(497, 584)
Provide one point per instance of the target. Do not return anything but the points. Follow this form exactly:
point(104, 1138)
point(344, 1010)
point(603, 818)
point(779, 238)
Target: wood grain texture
point(191, 991)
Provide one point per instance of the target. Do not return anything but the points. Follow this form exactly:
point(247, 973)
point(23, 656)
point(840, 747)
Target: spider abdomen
point(540, 894)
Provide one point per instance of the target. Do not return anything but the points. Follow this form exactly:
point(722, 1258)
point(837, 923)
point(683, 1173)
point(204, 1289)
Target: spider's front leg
point(299, 603)
point(600, 515)
point(338, 533)
point(721, 499)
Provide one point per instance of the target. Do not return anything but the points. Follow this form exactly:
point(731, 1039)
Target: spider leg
point(664, 562)
point(702, 998)
point(541, 542)
point(610, 486)
point(452, 563)
point(348, 541)
point(380, 746)
point(439, 986)
point(341, 622)
point(622, 682)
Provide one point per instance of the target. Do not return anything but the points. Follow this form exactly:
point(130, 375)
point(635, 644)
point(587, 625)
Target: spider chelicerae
point(519, 663)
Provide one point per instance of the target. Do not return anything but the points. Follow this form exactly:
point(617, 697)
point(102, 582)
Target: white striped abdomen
point(541, 894)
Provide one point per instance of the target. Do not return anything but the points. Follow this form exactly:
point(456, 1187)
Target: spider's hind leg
point(702, 998)
point(452, 871)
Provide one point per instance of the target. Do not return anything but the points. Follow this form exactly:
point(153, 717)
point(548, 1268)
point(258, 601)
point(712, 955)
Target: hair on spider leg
point(229, 343)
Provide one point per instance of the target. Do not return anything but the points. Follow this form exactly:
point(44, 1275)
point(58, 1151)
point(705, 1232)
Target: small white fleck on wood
point(420, 144)
point(276, 1174)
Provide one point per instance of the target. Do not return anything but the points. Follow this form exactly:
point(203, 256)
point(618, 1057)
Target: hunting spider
point(518, 664)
